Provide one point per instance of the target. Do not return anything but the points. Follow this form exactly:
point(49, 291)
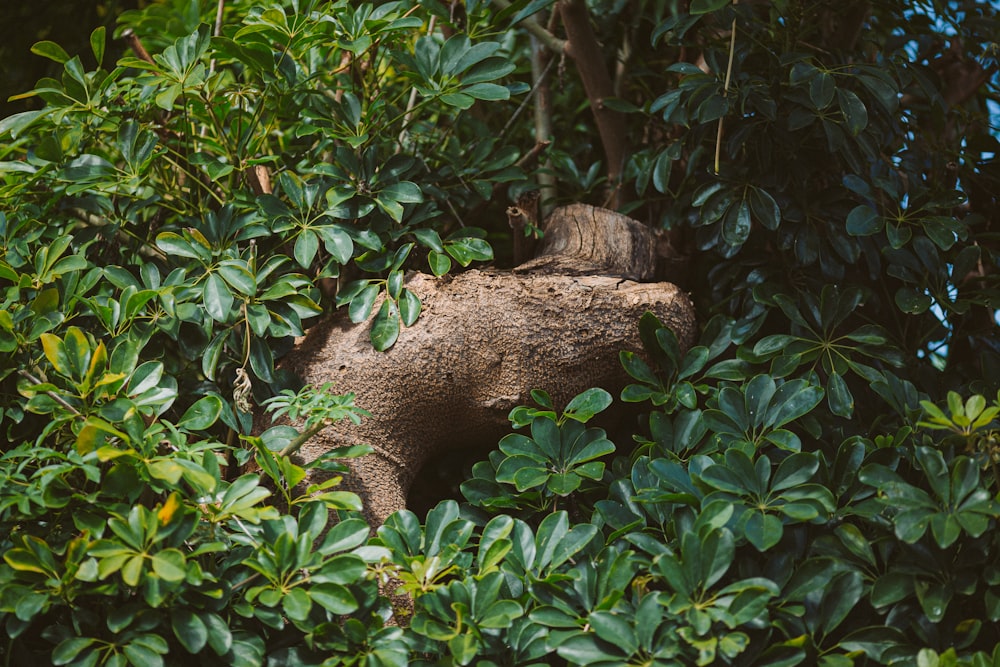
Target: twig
point(524, 102)
point(454, 212)
point(412, 102)
point(217, 31)
point(725, 90)
point(550, 41)
point(543, 120)
point(133, 42)
point(54, 396)
point(535, 151)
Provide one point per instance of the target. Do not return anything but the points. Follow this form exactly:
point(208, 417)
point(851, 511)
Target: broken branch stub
point(484, 340)
point(586, 240)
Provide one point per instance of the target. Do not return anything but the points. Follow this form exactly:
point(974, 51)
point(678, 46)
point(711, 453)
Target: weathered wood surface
point(484, 340)
point(586, 240)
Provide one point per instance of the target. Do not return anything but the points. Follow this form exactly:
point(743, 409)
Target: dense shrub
point(815, 482)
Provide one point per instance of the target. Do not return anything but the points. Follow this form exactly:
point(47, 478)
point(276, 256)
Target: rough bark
point(484, 340)
point(586, 240)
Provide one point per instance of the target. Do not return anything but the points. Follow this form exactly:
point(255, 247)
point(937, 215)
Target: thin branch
point(550, 41)
point(217, 31)
point(134, 43)
point(543, 121)
point(535, 151)
point(54, 396)
point(586, 53)
point(404, 133)
point(725, 90)
point(527, 98)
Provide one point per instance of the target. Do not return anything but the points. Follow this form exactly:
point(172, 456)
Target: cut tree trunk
point(586, 240)
point(484, 340)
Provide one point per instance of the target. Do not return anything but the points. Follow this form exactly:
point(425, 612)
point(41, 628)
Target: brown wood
point(586, 240)
point(484, 340)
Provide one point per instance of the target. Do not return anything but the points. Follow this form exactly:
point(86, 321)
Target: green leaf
point(571, 544)
point(202, 414)
point(306, 247)
point(468, 249)
point(238, 276)
point(440, 263)
point(335, 598)
point(793, 400)
point(458, 100)
point(912, 302)
point(50, 50)
point(487, 91)
point(864, 221)
point(794, 470)
point(217, 297)
point(584, 406)
point(430, 239)
point(736, 224)
point(362, 303)
point(500, 614)
point(409, 307)
point(404, 192)
point(212, 354)
point(190, 630)
point(296, 604)
point(170, 565)
point(138, 654)
point(702, 195)
point(614, 629)
point(97, 43)
point(891, 588)
point(531, 9)
point(821, 90)
point(584, 649)
point(839, 397)
point(841, 597)
point(337, 242)
point(55, 352)
point(385, 327)
point(855, 113)
point(175, 244)
point(68, 649)
point(563, 484)
point(769, 345)
point(765, 210)
point(17, 123)
point(763, 530)
point(220, 639)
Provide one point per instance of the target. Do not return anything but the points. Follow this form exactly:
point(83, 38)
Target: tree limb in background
point(134, 43)
point(582, 46)
point(540, 65)
point(585, 50)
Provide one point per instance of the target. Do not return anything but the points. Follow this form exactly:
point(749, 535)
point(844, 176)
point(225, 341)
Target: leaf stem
point(725, 89)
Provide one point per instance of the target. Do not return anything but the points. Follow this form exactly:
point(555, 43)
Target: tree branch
point(551, 42)
point(134, 43)
point(586, 52)
point(540, 64)
point(51, 394)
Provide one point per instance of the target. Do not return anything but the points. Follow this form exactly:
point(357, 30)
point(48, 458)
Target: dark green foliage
point(816, 481)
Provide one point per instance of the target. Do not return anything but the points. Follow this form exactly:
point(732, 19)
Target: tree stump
point(484, 340)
